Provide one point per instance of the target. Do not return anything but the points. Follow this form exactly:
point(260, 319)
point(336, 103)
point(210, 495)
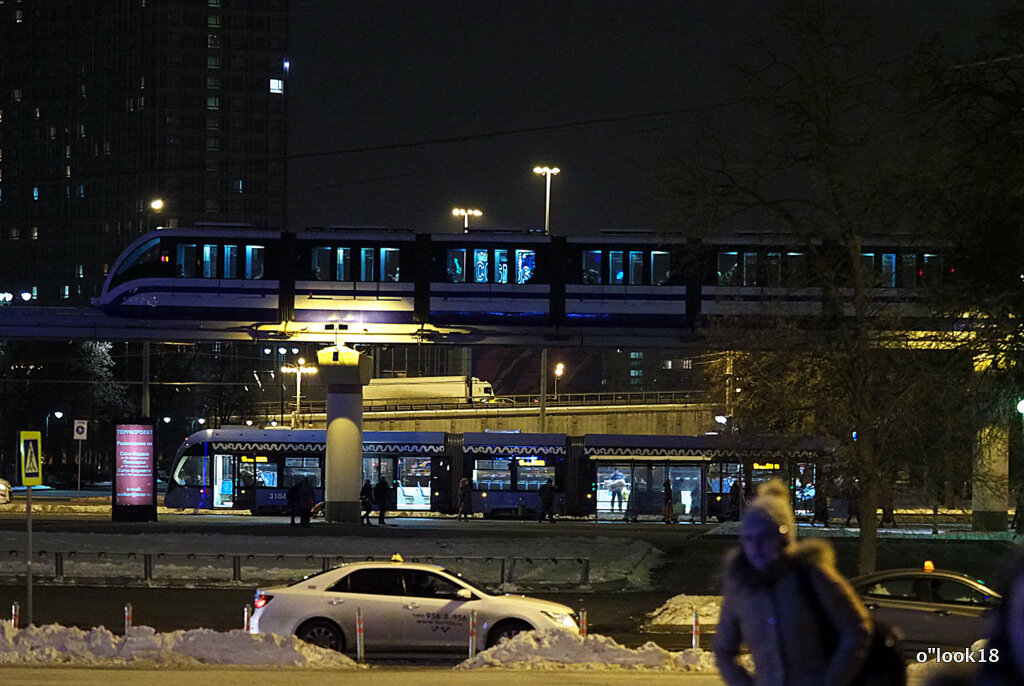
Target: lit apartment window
point(67, 292)
point(81, 130)
point(238, 186)
point(35, 292)
point(18, 16)
point(213, 144)
point(35, 192)
point(213, 83)
point(213, 62)
point(15, 234)
point(80, 271)
point(52, 133)
point(67, 152)
point(142, 102)
point(106, 147)
point(213, 103)
point(35, 233)
point(81, 90)
point(213, 41)
point(67, 172)
point(276, 85)
point(81, 190)
point(37, 114)
point(16, 95)
point(213, 3)
point(213, 21)
point(213, 124)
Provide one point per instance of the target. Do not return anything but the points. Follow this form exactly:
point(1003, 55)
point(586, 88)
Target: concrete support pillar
point(991, 478)
point(344, 371)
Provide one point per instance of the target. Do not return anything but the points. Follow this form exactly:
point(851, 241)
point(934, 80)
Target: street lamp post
point(298, 370)
point(57, 414)
point(559, 370)
point(466, 214)
point(547, 172)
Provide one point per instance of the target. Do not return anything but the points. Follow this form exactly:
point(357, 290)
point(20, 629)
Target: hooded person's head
point(768, 526)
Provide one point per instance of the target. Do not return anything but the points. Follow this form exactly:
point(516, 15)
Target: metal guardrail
point(252, 568)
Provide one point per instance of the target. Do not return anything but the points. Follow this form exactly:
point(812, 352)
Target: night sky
point(381, 74)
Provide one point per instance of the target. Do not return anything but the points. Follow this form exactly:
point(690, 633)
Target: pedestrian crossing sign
point(31, 460)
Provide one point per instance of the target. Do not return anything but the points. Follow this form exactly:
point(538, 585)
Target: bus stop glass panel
point(320, 264)
point(613, 481)
point(254, 261)
point(526, 263)
point(687, 490)
point(366, 271)
point(223, 480)
point(480, 265)
point(389, 265)
point(413, 483)
point(533, 472)
point(209, 261)
point(343, 267)
point(501, 266)
point(492, 475)
point(615, 269)
point(636, 268)
point(457, 265)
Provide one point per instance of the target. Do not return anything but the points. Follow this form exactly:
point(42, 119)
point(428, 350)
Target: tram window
point(389, 264)
point(773, 269)
point(298, 468)
point(525, 265)
point(636, 268)
point(457, 265)
point(320, 263)
point(366, 270)
point(796, 269)
point(908, 271)
point(591, 274)
point(230, 270)
point(659, 268)
point(209, 261)
point(727, 268)
point(615, 273)
point(343, 268)
point(530, 474)
point(147, 253)
point(932, 269)
point(492, 475)
point(750, 269)
point(501, 266)
point(888, 270)
point(254, 261)
point(480, 265)
point(266, 474)
point(186, 260)
point(867, 263)
point(192, 471)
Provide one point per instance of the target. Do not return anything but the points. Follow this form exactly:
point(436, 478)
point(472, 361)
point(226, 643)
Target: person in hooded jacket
point(306, 501)
point(766, 606)
point(366, 501)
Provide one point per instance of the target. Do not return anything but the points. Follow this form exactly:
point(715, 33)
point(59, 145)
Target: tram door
point(245, 487)
point(375, 467)
point(223, 481)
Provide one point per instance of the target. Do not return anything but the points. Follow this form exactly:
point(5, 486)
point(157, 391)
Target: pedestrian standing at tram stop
point(382, 496)
point(465, 499)
point(778, 596)
point(366, 501)
point(306, 501)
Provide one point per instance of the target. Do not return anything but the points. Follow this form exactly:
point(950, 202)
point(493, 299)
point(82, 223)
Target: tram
point(608, 475)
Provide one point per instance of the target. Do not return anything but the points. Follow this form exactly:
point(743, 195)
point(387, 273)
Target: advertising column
point(134, 494)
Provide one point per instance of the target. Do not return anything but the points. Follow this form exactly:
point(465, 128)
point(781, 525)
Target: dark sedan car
point(929, 608)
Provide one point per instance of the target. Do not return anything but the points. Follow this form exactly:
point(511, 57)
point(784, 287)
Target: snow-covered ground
point(60, 645)
point(678, 611)
point(628, 562)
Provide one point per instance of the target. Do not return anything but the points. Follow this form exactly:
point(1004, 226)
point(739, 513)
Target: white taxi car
point(406, 607)
point(5, 491)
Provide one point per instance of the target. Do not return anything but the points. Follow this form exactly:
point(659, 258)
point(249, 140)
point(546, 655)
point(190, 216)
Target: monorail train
point(374, 276)
point(596, 474)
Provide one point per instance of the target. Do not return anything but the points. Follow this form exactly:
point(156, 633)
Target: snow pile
point(559, 649)
point(678, 611)
point(56, 644)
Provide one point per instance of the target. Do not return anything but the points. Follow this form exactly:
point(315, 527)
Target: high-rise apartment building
point(109, 105)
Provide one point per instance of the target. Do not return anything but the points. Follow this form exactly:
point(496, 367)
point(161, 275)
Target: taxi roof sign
point(29, 443)
point(397, 558)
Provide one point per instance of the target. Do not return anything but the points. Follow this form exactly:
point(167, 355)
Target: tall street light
point(559, 370)
point(466, 214)
point(298, 369)
point(547, 172)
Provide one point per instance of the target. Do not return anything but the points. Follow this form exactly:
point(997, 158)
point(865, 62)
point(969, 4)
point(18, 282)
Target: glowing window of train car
point(615, 273)
point(343, 268)
point(636, 268)
point(254, 261)
point(867, 262)
point(366, 266)
point(796, 269)
point(773, 269)
point(481, 264)
point(147, 253)
point(526, 263)
point(501, 265)
point(192, 471)
point(186, 260)
point(932, 269)
point(210, 261)
point(492, 475)
point(298, 468)
point(750, 269)
point(888, 270)
point(659, 268)
point(908, 271)
point(320, 263)
point(591, 272)
point(533, 471)
point(389, 264)
point(457, 265)
point(727, 268)
point(230, 262)
point(266, 474)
